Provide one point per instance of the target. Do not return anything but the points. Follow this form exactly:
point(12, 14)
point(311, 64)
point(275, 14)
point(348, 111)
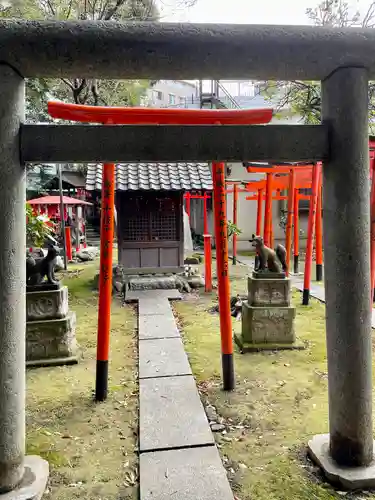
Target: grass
point(246, 253)
point(280, 401)
point(90, 447)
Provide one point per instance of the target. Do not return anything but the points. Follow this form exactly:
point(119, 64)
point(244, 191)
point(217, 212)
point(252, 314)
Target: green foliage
point(80, 90)
point(233, 229)
point(303, 98)
point(37, 227)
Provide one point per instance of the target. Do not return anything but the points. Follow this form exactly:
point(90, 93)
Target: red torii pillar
point(170, 116)
point(296, 232)
point(205, 218)
point(319, 234)
point(268, 211)
point(187, 204)
point(289, 223)
point(310, 233)
point(259, 212)
point(235, 200)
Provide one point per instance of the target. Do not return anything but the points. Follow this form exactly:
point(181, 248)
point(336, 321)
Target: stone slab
point(245, 347)
point(263, 325)
point(349, 478)
point(163, 282)
point(154, 307)
point(134, 295)
point(157, 327)
point(43, 287)
point(47, 304)
point(188, 474)
point(34, 480)
point(266, 275)
point(51, 339)
point(163, 358)
point(38, 363)
point(171, 414)
point(269, 292)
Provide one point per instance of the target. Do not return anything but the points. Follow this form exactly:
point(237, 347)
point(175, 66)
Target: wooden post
point(221, 236)
point(296, 232)
point(235, 199)
point(68, 242)
point(268, 211)
point(310, 234)
point(207, 263)
point(289, 222)
point(105, 280)
point(319, 233)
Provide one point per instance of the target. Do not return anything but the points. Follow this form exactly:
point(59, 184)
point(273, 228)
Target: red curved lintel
point(155, 116)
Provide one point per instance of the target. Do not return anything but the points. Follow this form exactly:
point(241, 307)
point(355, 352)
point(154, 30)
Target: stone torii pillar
point(346, 453)
point(24, 477)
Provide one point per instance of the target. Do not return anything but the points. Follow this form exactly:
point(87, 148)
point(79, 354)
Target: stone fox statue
point(36, 271)
point(267, 256)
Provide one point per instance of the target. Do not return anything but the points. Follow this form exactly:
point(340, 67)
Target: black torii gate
point(343, 59)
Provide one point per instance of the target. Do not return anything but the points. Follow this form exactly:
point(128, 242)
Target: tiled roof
point(154, 177)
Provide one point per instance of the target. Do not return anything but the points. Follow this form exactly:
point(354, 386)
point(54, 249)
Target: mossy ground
point(280, 401)
point(91, 448)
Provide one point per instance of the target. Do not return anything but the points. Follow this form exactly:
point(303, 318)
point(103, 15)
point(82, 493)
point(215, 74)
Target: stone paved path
point(178, 456)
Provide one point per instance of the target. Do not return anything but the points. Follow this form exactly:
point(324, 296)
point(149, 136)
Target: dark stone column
point(12, 281)
point(346, 237)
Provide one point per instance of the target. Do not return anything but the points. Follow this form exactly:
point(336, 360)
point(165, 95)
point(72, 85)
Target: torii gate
point(152, 116)
point(55, 49)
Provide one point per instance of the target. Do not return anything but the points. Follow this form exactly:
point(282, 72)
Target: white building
point(172, 93)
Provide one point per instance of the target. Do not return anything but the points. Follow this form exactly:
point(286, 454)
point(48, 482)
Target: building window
point(182, 101)
point(158, 95)
point(172, 99)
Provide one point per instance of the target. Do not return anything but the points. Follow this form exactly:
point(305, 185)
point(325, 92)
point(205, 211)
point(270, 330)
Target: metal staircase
point(217, 98)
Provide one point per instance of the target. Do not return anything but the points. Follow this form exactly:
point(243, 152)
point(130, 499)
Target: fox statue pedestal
point(267, 316)
point(50, 326)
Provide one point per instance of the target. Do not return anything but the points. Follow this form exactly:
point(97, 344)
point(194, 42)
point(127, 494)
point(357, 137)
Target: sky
point(244, 11)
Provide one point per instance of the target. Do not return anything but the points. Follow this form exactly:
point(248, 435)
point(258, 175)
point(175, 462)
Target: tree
point(304, 97)
point(81, 90)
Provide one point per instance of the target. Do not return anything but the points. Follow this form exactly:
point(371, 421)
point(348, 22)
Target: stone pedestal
point(267, 316)
point(50, 328)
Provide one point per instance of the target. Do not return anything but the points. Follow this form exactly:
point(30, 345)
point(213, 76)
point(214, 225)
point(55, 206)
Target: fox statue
point(267, 256)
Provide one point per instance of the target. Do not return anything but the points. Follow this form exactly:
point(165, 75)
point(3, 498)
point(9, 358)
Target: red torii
point(168, 116)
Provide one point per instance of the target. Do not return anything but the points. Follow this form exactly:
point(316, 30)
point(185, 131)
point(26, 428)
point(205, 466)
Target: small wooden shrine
point(150, 212)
